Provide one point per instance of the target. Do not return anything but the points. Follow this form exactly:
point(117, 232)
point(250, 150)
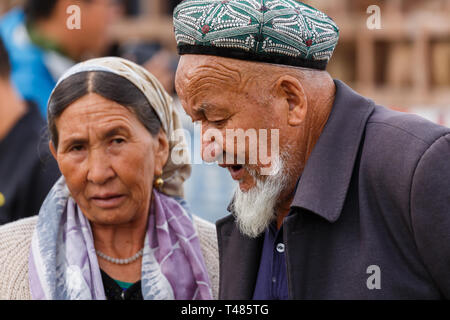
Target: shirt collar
point(325, 180)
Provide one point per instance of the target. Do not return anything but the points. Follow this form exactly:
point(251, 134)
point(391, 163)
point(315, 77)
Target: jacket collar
point(325, 180)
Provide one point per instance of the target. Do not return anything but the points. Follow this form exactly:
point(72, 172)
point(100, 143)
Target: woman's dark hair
point(5, 67)
point(108, 85)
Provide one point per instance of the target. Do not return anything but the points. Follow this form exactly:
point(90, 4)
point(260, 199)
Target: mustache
point(229, 158)
point(214, 153)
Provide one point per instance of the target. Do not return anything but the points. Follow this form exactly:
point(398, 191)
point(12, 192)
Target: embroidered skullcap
point(284, 32)
point(177, 168)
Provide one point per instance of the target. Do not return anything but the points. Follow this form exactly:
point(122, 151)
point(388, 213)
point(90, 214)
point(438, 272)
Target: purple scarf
point(63, 264)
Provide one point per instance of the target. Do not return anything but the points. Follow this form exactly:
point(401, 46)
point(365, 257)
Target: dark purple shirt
point(271, 283)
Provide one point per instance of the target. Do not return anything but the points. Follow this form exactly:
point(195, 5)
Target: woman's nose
point(99, 170)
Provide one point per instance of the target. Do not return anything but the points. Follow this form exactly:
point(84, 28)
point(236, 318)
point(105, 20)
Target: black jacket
point(375, 193)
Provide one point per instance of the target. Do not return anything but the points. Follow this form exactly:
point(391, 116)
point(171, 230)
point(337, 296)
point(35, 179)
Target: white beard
point(255, 209)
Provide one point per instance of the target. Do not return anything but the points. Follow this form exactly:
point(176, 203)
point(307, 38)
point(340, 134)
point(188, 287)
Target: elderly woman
point(113, 227)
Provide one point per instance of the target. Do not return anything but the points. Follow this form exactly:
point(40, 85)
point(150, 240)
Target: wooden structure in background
point(404, 64)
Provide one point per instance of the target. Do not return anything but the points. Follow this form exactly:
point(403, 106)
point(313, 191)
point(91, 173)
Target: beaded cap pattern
point(277, 31)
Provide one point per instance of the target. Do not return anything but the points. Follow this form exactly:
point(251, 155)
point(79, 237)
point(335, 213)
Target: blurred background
point(404, 65)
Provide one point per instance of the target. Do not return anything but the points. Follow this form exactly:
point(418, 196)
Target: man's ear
point(52, 149)
point(161, 152)
point(292, 91)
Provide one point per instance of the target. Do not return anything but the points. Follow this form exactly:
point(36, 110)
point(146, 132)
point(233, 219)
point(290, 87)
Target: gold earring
point(159, 183)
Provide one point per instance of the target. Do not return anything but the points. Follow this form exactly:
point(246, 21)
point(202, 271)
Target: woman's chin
point(116, 216)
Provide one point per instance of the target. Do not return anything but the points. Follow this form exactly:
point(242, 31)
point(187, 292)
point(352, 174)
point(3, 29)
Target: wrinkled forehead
point(94, 108)
point(197, 74)
point(192, 67)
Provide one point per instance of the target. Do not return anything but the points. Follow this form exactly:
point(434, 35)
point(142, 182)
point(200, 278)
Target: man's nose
point(211, 150)
point(99, 168)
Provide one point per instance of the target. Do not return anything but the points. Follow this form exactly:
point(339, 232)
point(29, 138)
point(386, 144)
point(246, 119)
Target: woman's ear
point(292, 91)
point(52, 149)
point(161, 152)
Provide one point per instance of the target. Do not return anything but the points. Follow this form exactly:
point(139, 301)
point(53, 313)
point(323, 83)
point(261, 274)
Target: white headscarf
point(174, 173)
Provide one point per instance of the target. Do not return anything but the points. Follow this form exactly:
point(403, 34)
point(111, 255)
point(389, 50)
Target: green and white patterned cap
point(275, 31)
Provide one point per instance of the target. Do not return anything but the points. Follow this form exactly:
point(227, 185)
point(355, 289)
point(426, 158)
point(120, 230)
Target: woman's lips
point(108, 201)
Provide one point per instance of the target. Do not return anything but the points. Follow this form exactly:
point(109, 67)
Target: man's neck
point(283, 209)
point(321, 100)
point(12, 108)
point(321, 104)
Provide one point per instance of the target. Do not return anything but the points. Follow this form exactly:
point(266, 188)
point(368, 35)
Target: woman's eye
point(118, 141)
point(76, 148)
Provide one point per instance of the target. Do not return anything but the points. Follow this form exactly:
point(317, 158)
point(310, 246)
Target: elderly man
point(358, 206)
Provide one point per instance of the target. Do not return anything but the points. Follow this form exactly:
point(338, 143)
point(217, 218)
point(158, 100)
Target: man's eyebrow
point(199, 111)
point(203, 107)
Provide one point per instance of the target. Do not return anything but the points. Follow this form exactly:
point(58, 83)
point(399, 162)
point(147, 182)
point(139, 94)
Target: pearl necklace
point(120, 261)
